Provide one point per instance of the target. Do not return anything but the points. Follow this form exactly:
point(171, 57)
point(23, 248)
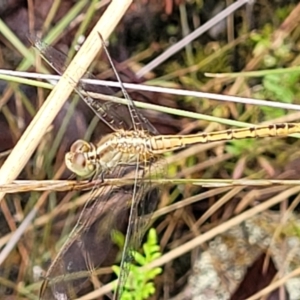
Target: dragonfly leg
point(73, 177)
point(102, 177)
point(96, 176)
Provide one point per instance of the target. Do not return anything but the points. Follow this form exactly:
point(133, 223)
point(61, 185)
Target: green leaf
point(153, 273)
point(139, 285)
point(276, 85)
point(118, 238)
point(139, 258)
point(116, 270)
point(152, 236)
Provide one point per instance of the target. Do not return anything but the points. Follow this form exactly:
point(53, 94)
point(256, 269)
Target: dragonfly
point(134, 145)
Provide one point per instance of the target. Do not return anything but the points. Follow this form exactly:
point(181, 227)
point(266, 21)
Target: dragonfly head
point(78, 159)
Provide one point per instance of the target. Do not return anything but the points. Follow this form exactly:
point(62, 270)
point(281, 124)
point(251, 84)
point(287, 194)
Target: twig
point(18, 186)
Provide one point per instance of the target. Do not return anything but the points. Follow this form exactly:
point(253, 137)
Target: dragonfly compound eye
point(80, 146)
point(79, 164)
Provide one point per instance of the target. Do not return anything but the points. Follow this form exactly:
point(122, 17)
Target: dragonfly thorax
point(119, 148)
point(124, 147)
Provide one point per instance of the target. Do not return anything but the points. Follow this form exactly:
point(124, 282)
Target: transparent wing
point(88, 245)
point(139, 122)
point(144, 201)
point(112, 111)
point(112, 114)
point(90, 242)
point(56, 60)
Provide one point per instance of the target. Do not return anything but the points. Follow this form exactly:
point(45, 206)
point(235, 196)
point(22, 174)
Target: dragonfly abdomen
point(165, 143)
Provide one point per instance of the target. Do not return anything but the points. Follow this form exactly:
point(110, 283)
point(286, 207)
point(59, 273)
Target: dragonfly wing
point(88, 246)
point(145, 197)
point(138, 121)
point(119, 115)
point(115, 114)
point(149, 194)
point(70, 271)
point(148, 126)
point(131, 241)
point(56, 60)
